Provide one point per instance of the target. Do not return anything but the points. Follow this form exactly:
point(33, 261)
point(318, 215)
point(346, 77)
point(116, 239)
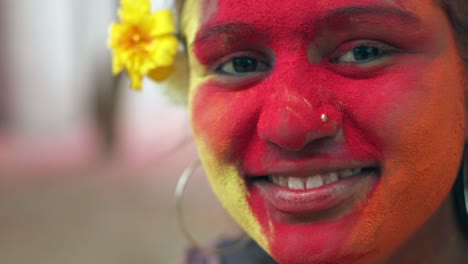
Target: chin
point(317, 224)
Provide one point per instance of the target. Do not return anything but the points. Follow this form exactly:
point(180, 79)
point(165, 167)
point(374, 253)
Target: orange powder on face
point(422, 169)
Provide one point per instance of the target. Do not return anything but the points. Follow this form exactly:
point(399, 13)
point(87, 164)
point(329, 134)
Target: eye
point(364, 53)
point(361, 54)
point(242, 66)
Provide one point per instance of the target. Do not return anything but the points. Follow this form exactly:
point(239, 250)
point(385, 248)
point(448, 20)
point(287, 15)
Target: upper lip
point(309, 168)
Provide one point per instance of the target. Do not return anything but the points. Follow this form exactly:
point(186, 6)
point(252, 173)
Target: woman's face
point(330, 130)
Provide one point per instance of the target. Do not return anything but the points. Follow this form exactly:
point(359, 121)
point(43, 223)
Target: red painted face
point(330, 130)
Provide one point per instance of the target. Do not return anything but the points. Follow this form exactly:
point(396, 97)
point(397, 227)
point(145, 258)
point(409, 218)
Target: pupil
point(244, 64)
point(365, 53)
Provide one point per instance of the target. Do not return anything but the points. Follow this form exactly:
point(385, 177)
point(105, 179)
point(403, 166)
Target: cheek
point(216, 120)
point(419, 125)
point(225, 120)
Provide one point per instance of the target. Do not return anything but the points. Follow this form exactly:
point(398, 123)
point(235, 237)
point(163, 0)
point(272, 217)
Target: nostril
point(292, 128)
point(289, 142)
point(292, 131)
point(286, 132)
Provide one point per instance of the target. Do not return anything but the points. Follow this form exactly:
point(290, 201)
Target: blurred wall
point(53, 49)
point(62, 199)
point(3, 80)
point(56, 63)
point(40, 58)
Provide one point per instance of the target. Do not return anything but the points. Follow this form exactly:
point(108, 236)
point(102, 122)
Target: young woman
point(333, 131)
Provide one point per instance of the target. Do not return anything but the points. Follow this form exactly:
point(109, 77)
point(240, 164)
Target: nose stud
point(324, 118)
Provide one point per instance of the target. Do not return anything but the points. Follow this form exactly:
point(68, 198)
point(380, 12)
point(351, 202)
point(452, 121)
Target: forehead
point(281, 10)
point(291, 13)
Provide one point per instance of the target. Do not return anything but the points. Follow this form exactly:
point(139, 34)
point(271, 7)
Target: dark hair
point(457, 12)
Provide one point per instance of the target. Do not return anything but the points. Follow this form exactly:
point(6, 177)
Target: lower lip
point(319, 199)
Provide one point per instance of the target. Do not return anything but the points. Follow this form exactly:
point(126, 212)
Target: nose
point(297, 123)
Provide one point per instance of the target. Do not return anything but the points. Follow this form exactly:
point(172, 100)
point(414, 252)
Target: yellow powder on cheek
point(224, 178)
point(230, 189)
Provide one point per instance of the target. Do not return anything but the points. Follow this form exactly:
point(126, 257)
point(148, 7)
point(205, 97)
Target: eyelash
point(383, 49)
point(340, 58)
point(259, 59)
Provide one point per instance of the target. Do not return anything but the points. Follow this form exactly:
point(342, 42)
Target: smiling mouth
point(315, 181)
point(336, 191)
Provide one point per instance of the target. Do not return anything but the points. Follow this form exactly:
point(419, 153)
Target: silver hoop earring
point(181, 184)
point(460, 194)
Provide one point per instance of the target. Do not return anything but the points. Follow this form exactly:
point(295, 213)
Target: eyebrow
point(350, 11)
point(227, 29)
point(237, 28)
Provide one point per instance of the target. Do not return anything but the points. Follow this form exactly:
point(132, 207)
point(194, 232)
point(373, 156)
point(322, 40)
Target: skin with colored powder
point(359, 184)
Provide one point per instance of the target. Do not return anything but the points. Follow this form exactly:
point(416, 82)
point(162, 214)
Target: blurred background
point(87, 166)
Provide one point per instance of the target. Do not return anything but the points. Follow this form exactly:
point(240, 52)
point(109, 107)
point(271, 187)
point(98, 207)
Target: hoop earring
point(460, 195)
point(181, 184)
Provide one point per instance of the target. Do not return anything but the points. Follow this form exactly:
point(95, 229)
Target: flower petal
point(144, 5)
point(132, 11)
point(117, 66)
point(166, 50)
point(161, 73)
point(136, 80)
point(116, 32)
point(163, 22)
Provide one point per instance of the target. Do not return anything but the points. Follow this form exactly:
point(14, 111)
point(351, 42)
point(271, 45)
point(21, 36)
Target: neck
point(438, 241)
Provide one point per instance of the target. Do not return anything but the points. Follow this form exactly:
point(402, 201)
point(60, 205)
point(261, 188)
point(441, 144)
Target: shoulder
point(250, 254)
point(196, 256)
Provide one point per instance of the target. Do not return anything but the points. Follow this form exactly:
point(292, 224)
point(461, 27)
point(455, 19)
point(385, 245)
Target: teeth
point(331, 178)
point(314, 182)
point(283, 181)
point(296, 183)
point(347, 173)
point(275, 179)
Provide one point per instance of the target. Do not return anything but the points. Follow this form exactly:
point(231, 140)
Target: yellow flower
point(143, 43)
